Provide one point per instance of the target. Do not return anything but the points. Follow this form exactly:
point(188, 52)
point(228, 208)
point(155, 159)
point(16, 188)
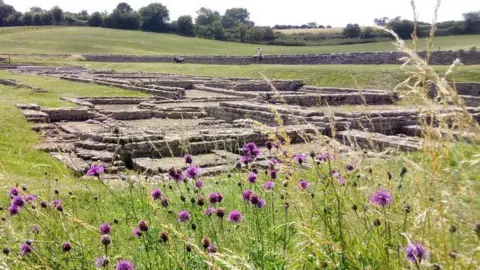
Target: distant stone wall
point(364, 58)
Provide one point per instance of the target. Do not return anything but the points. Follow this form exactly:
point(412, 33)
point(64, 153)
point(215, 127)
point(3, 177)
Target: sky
point(270, 12)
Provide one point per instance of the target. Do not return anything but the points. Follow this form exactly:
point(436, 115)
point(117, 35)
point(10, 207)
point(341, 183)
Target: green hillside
point(108, 41)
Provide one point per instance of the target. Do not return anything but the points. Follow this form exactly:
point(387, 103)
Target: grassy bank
point(78, 40)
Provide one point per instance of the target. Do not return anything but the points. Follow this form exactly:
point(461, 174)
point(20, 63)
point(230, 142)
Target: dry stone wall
point(364, 58)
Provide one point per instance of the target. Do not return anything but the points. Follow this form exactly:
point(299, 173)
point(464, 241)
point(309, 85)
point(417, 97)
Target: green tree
point(185, 25)
point(57, 14)
point(206, 16)
point(368, 32)
point(472, 22)
point(37, 10)
point(95, 20)
point(27, 18)
point(37, 20)
point(82, 15)
point(218, 30)
point(403, 28)
point(46, 18)
point(268, 34)
point(5, 12)
point(124, 17)
point(154, 17)
point(352, 31)
point(235, 16)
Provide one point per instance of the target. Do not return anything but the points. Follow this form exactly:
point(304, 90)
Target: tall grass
point(332, 209)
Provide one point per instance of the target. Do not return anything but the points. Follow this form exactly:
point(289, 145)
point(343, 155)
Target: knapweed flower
point(18, 201)
point(201, 200)
point(30, 198)
point(220, 212)
point(254, 198)
point(44, 204)
point(136, 232)
point(246, 194)
point(143, 226)
point(206, 242)
point(184, 216)
point(66, 246)
point(176, 175)
point(156, 194)
point(324, 157)
point(199, 184)
point(209, 211)
point(13, 192)
point(212, 248)
point(269, 185)
point(335, 173)
point(13, 210)
point(303, 184)
point(300, 158)
point(26, 248)
point(188, 159)
point(101, 262)
point(215, 197)
point(416, 252)
point(164, 201)
point(381, 198)
point(105, 228)
point(252, 177)
point(273, 174)
point(124, 265)
point(261, 203)
point(96, 170)
point(350, 168)
point(192, 172)
point(105, 239)
point(250, 149)
point(58, 205)
point(341, 180)
point(235, 216)
point(163, 237)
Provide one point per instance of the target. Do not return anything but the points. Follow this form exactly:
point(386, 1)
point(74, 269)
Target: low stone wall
point(68, 114)
point(468, 89)
point(310, 100)
point(365, 58)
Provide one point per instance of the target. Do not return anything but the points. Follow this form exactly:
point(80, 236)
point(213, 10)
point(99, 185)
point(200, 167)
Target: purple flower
point(381, 198)
point(136, 232)
point(254, 198)
point(209, 211)
point(199, 184)
point(335, 173)
point(252, 177)
point(156, 194)
point(324, 157)
point(105, 228)
point(143, 226)
point(350, 168)
point(341, 180)
point(235, 216)
point(18, 201)
point(26, 248)
point(269, 185)
point(212, 248)
point(96, 170)
point(261, 203)
point(58, 205)
point(215, 197)
point(273, 174)
point(245, 159)
point(416, 252)
point(269, 145)
point(188, 159)
point(13, 192)
point(66, 246)
point(184, 216)
point(101, 262)
point(13, 210)
point(192, 172)
point(179, 176)
point(124, 265)
point(300, 158)
point(30, 198)
point(246, 194)
point(303, 184)
point(250, 152)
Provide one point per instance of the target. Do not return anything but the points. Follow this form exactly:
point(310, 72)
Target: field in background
point(72, 40)
point(312, 30)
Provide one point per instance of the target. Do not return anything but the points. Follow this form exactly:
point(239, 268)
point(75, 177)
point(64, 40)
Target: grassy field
point(313, 30)
point(98, 40)
point(322, 224)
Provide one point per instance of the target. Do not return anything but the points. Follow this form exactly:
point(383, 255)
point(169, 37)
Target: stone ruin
point(212, 118)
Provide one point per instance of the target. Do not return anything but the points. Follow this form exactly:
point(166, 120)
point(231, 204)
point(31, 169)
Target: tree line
point(233, 25)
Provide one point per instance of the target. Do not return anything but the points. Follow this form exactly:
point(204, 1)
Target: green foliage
point(124, 17)
point(352, 31)
point(6, 11)
point(185, 25)
point(95, 20)
point(403, 28)
point(37, 19)
point(57, 14)
point(235, 16)
point(27, 18)
point(206, 17)
point(472, 22)
point(46, 18)
point(154, 18)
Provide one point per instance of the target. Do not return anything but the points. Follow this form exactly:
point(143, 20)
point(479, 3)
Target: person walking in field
point(259, 56)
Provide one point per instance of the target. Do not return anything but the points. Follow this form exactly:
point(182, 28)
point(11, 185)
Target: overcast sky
point(271, 12)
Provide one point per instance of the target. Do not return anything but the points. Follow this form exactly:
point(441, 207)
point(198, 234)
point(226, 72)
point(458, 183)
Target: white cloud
point(270, 12)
